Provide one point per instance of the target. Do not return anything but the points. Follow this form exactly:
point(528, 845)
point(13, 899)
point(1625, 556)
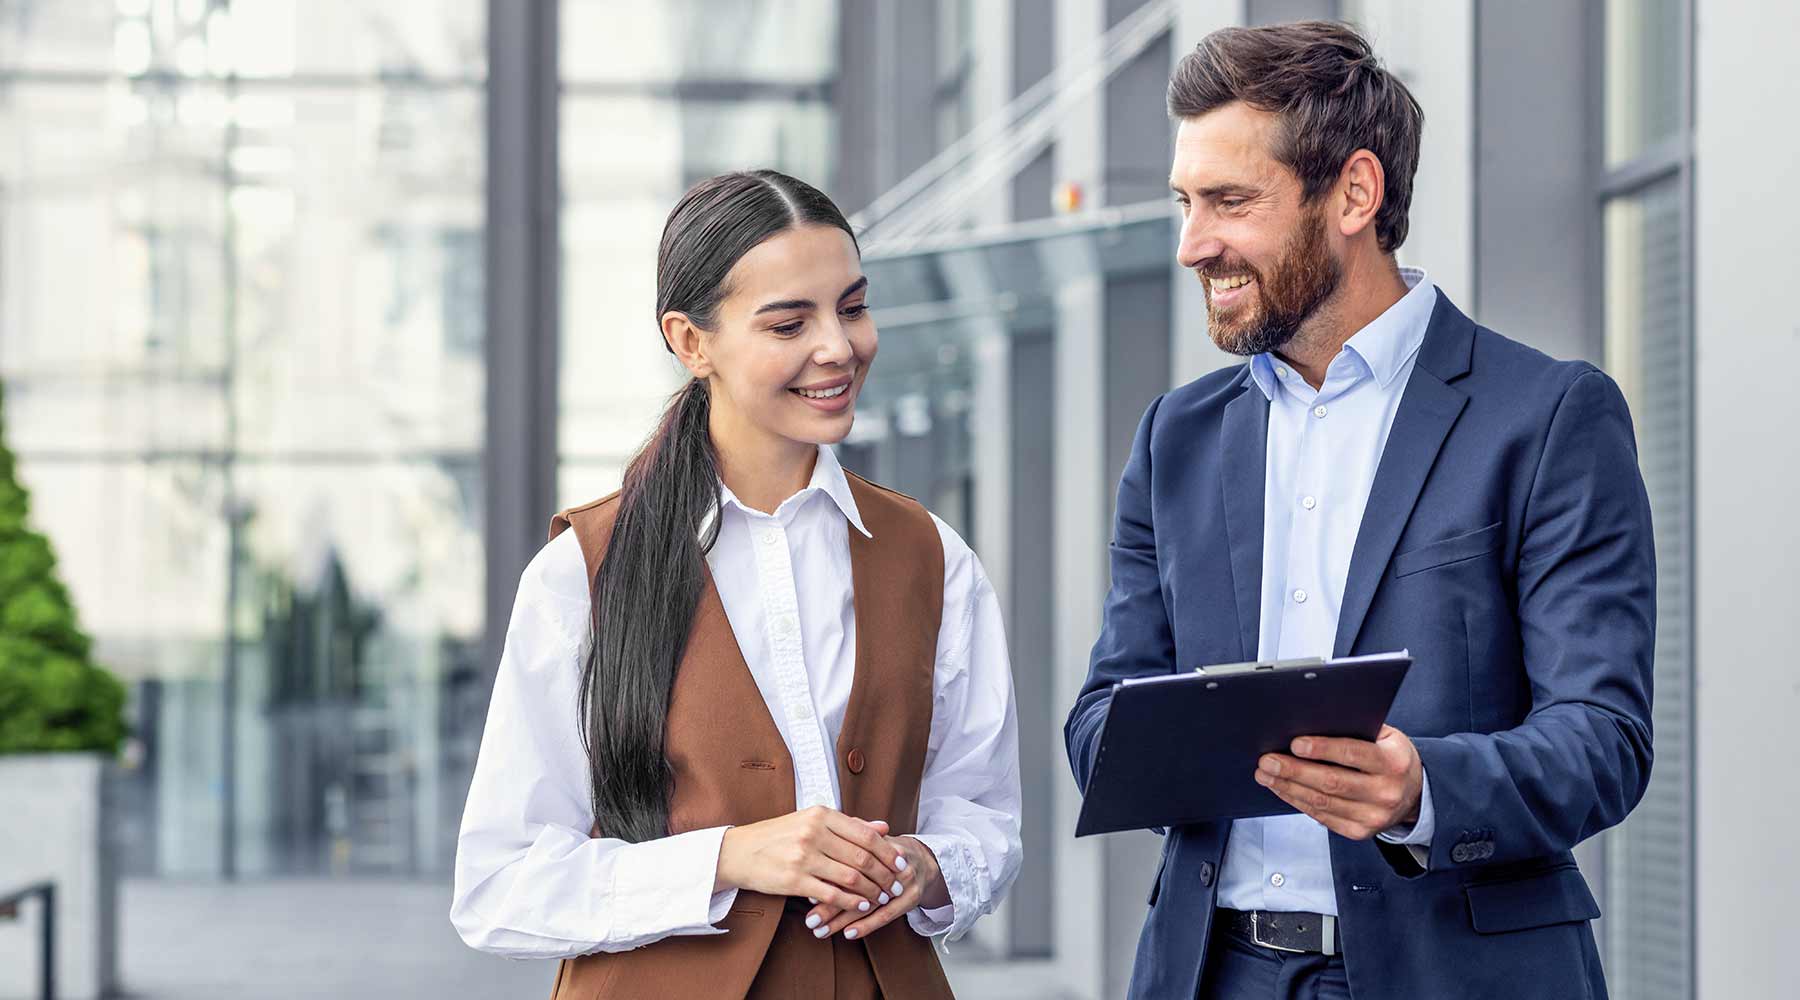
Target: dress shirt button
point(1309, 503)
point(1319, 411)
point(1280, 371)
point(1206, 873)
point(785, 625)
point(769, 540)
point(854, 760)
point(1277, 880)
point(1299, 597)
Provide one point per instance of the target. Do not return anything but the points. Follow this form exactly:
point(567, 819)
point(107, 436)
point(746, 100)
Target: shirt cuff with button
point(1416, 836)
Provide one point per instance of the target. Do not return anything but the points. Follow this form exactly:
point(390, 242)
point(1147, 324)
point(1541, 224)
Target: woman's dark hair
point(1332, 96)
point(650, 580)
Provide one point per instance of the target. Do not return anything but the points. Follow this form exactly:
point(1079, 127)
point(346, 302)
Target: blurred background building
point(311, 312)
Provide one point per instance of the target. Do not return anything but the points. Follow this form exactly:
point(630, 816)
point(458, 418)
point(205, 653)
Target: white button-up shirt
point(1324, 446)
point(531, 883)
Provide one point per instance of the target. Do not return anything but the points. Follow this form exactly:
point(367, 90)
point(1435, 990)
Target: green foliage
point(52, 696)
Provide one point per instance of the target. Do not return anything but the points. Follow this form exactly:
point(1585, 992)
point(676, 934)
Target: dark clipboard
point(1182, 748)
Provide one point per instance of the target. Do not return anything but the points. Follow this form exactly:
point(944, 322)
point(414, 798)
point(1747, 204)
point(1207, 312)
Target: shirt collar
point(827, 478)
point(1385, 345)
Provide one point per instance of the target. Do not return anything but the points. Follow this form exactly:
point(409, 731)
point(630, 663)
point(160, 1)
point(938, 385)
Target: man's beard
point(1302, 279)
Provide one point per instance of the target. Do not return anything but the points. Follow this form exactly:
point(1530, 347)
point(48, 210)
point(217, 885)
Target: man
point(1382, 474)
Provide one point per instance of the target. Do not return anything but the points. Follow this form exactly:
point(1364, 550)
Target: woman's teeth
point(824, 393)
point(1227, 284)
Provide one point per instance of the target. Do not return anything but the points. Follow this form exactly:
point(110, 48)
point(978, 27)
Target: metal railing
point(9, 909)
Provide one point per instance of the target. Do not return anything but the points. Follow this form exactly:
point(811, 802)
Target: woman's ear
point(684, 338)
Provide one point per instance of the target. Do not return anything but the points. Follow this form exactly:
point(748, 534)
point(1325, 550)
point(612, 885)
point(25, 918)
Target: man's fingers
point(1342, 817)
point(1359, 754)
point(1335, 781)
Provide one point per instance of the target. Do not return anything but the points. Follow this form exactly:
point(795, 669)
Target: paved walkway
point(348, 940)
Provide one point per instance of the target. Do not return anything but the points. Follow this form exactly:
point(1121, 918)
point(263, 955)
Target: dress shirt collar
point(1384, 346)
point(827, 478)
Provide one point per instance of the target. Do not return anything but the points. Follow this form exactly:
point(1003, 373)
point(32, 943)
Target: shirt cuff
point(665, 886)
point(1416, 836)
point(963, 876)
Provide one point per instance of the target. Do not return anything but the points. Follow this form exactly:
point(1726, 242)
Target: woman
point(753, 710)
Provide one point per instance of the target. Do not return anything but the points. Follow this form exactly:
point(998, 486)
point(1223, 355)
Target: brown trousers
point(799, 966)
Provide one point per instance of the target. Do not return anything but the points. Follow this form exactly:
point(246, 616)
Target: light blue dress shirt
point(1323, 449)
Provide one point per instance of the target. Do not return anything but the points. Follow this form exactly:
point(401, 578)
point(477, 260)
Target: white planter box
point(53, 827)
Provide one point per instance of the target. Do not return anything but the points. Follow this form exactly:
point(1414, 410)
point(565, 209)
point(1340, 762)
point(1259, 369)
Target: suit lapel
point(1429, 408)
point(1244, 436)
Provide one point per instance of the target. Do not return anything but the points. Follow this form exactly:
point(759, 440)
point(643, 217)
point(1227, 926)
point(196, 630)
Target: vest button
point(855, 760)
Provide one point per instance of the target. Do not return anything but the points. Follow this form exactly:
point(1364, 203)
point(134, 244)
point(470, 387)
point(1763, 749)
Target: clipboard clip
point(1248, 666)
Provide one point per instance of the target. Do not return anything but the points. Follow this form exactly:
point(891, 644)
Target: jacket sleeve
point(1580, 760)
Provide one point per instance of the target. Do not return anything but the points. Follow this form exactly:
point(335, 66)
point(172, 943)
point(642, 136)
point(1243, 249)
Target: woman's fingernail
point(863, 906)
point(900, 862)
point(812, 921)
point(821, 932)
point(850, 934)
point(882, 899)
point(812, 900)
point(898, 888)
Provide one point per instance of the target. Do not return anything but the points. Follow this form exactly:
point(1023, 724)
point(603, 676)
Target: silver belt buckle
point(1256, 935)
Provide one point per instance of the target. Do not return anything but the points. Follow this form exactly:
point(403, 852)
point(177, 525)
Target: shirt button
point(1280, 371)
point(1319, 411)
point(785, 625)
point(1277, 880)
point(1299, 597)
point(769, 540)
point(1309, 503)
point(854, 760)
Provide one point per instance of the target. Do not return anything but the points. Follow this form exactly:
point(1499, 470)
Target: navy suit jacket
point(1507, 544)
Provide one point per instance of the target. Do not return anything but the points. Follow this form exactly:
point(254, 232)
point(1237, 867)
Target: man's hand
point(1356, 788)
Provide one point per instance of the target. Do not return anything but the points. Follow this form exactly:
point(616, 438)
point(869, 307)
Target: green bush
point(52, 695)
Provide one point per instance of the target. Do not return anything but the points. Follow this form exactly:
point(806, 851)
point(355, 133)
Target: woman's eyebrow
point(785, 304)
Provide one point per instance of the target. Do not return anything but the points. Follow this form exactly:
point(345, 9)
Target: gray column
point(519, 460)
point(1537, 224)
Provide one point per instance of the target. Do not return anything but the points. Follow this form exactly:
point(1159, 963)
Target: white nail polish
point(882, 899)
point(898, 888)
point(813, 900)
point(850, 934)
point(812, 921)
point(821, 932)
point(863, 906)
point(900, 862)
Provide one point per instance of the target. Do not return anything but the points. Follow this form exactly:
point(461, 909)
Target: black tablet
point(1182, 748)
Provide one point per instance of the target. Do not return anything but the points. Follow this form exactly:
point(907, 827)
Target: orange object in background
point(1066, 199)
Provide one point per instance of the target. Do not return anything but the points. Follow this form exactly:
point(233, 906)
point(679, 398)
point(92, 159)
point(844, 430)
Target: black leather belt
point(1303, 932)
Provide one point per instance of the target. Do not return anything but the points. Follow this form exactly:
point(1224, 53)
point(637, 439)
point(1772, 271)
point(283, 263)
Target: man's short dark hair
point(1332, 97)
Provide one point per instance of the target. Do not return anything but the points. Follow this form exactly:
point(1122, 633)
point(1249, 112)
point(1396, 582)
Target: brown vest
point(730, 765)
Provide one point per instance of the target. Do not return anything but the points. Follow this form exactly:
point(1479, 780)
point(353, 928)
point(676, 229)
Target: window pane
point(787, 41)
point(252, 38)
point(112, 275)
point(357, 219)
point(1644, 95)
point(1649, 349)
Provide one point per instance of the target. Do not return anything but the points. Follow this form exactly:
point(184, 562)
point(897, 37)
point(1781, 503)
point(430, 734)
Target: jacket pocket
point(1449, 550)
point(1558, 895)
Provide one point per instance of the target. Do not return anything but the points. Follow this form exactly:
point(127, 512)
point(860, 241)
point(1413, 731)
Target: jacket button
point(1206, 873)
point(855, 760)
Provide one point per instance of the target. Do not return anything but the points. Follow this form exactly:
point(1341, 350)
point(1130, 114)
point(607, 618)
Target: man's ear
point(686, 340)
point(1362, 185)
